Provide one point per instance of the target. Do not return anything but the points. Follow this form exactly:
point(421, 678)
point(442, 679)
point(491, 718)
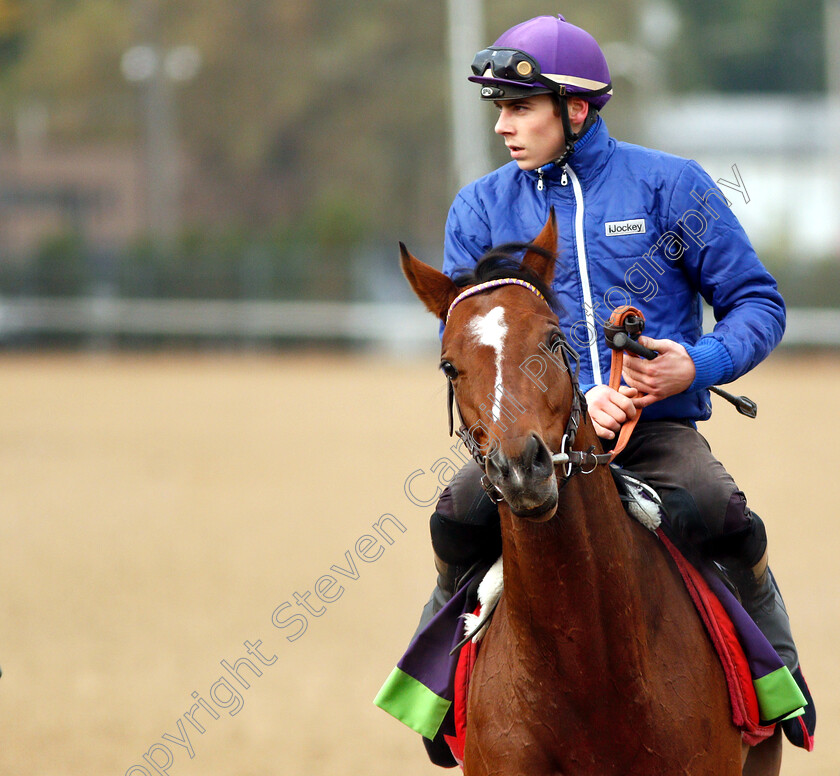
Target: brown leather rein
point(625, 324)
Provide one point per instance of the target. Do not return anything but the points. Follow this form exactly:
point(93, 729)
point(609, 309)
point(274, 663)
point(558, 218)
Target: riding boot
point(761, 598)
point(448, 574)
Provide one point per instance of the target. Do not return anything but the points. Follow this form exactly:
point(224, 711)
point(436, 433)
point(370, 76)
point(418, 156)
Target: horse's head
point(503, 353)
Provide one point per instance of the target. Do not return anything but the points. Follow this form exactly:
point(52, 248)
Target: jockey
point(640, 227)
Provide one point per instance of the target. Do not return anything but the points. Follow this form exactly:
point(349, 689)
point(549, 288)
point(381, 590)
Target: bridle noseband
point(573, 461)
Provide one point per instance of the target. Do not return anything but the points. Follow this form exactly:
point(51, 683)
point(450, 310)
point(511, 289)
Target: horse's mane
point(505, 261)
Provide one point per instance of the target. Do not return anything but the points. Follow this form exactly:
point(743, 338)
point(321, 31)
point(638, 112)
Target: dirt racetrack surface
point(162, 514)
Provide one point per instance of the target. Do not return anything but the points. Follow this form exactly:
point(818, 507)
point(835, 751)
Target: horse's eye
point(450, 371)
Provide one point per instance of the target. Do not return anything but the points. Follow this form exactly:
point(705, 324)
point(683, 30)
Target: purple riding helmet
point(542, 56)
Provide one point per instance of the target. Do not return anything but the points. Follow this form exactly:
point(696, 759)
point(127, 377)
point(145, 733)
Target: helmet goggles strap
point(518, 66)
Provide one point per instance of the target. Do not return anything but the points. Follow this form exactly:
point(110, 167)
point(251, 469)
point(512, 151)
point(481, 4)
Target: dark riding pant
point(707, 508)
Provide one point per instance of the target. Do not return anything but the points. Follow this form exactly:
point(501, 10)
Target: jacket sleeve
point(722, 265)
point(467, 236)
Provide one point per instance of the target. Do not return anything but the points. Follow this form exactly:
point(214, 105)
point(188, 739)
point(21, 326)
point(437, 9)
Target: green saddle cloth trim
point(412, 703)
point(779, 696)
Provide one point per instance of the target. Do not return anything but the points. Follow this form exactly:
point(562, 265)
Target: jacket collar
point(592, 152)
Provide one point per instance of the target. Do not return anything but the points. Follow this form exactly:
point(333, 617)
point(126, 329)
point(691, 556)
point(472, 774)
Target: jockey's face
point(532, 130)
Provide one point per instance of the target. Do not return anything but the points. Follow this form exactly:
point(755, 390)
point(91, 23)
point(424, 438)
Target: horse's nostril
point(542, 463)
point(498, 464)
point(535, 456)
point(530, 451)
point(532, 462)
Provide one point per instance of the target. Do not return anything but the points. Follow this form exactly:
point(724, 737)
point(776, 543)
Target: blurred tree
point(306, 114)
point(750, 46)
point(70, 64)
point(10, 17)
point(292, 100)
point(12, 31)
point(61, 266)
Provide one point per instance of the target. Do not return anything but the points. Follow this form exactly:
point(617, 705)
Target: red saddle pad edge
point(744, 702)
point(463, 672)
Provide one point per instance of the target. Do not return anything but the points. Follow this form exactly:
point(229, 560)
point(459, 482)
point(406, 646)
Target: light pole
point(831, 15)
point(157, 71)
point(470, 147)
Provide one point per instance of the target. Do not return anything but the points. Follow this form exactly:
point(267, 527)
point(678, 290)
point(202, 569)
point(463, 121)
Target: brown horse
point(596, 661)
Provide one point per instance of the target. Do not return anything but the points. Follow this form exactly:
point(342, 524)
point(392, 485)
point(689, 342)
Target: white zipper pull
point(564, 178)
point(540, 181)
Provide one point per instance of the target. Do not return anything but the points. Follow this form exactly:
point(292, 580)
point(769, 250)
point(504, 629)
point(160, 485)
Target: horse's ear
point(435, 289)
point(543, 266)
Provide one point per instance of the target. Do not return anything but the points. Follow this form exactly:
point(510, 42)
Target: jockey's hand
point(670, 373)
point(609, 409)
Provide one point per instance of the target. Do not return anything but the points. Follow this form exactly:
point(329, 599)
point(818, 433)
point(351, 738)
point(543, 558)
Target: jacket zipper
point(564, 179)
point(583, 269)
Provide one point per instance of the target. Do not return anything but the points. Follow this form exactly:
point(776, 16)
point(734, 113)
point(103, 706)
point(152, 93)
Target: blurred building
point(787, 153)
point(95, 192)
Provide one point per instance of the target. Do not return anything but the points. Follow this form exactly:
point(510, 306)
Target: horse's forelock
point(505, 261)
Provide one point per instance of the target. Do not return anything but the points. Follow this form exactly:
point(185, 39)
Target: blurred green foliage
point(812, 284)
point(304, 259)
point(60, 267)
point(315, 128)
point(750, 46)
point(11, 31)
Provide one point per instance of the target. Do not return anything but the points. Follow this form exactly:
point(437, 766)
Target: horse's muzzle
point(523, 471)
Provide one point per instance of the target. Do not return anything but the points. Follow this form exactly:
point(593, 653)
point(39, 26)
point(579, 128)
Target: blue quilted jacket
point(639, 227)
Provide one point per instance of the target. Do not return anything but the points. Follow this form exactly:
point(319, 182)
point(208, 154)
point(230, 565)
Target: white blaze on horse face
point(490, 330)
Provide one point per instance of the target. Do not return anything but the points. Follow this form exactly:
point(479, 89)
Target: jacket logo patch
point(619, 228)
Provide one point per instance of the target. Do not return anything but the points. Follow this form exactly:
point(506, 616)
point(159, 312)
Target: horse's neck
point(573, 584)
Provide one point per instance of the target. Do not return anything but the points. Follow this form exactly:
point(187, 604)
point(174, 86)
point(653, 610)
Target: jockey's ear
point(435, 289)
point(542, 265)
